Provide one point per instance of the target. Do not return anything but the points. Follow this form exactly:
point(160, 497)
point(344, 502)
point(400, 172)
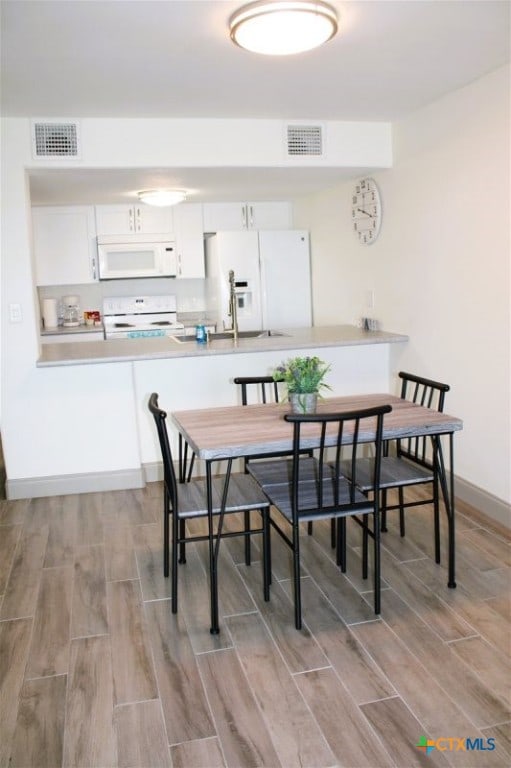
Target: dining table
point(237, 431)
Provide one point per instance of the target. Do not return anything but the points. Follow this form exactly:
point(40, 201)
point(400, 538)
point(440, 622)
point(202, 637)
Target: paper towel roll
point(50, 318)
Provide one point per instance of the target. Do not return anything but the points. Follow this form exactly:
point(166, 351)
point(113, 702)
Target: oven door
point(138, 334)
point(136, 259)
point(128, 330)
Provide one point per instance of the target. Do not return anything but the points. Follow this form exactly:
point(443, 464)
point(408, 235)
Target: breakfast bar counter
point(160, 348)
point(103, 387)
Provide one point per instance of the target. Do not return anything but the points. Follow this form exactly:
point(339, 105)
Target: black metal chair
point(410, 461)
point(261, 389)
point(264, 386)
point(316, 489)
point(184, 501)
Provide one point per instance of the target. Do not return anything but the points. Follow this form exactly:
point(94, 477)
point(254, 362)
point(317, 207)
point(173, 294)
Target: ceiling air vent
point(55, 139)
point(304, 140)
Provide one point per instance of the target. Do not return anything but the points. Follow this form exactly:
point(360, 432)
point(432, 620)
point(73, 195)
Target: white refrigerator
point(272, 278)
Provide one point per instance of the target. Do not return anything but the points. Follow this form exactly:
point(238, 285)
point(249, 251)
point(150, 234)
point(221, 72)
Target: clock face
point(366, 211)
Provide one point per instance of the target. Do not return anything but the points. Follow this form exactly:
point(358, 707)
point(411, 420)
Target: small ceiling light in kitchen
point(162, 197)
point(282, 27)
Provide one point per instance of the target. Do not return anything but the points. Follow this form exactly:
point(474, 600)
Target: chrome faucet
point(233, 307)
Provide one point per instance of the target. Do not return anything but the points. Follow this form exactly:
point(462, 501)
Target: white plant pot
point(303, 402)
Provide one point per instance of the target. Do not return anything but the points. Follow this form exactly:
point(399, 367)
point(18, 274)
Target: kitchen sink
point(246, 335)
point(224, 335)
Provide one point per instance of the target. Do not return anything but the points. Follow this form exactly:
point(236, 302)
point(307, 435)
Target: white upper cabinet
point(189, 233)
point(64, 240)
point(225, 217)
point(65, 246)
point(131, 219)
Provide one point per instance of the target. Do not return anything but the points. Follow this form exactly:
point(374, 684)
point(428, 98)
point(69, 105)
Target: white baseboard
point(59, 485)
point(34, 487)
point(153, 472)
point(485, 502)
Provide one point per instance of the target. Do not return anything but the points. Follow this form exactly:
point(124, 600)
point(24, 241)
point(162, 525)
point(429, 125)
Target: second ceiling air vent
point(304, 140)
point(55, 139)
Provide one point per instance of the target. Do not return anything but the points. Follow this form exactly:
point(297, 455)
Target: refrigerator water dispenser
point(243, 299)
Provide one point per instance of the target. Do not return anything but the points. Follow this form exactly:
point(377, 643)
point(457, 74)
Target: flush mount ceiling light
point(162, 197)
point(283, 27)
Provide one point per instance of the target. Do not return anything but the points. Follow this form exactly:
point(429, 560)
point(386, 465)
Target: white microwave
point(136, 255)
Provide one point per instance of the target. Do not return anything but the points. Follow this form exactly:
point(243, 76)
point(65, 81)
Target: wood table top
point(245, 430)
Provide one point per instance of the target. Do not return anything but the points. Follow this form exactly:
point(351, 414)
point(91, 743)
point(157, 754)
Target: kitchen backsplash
point(190, 294)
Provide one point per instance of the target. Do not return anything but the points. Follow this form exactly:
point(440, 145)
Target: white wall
point(440, 269)
point(176, 143)
point(50, 413)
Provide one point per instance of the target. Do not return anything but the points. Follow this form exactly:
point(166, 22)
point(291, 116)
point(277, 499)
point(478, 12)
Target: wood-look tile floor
point(95, 670)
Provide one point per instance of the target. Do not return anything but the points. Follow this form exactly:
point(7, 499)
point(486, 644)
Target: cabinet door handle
point(138, 221)
point(131, 220)
point(244, 222)
point(93, 264)
point(179, 270)
point(251, 217)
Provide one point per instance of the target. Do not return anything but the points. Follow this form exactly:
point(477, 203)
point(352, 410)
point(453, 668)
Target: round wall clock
point(366, 211)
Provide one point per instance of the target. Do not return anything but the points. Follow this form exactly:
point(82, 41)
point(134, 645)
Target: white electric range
point(135, 317)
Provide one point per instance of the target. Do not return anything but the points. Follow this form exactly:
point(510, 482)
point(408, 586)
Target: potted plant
point(303, 377)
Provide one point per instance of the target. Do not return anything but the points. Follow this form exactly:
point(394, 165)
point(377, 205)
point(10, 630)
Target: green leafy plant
point(302, 375)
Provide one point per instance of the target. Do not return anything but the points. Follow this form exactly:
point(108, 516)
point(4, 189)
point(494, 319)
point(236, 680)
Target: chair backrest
point(169, 475)
point(426, 392)
point(430, 394)
point(263, 388)
point(339, 433)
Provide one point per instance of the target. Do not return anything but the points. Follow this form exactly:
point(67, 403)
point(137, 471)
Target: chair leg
point(436, 514)
point(296, 576)
point(365, 544)
point(265, 514)
point(190, 470)
point(333, 535)
point(270, 578)
point(182, 547)
point(184, 476)
point(310, 454)
point(341, 543)
point(401, 512)
point(166, 533)
point(310, 523)
point(377, 564)
point(384, 511)
point(248, 553)
point(174, 561)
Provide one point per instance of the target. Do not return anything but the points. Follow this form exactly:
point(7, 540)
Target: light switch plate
point(15, 313)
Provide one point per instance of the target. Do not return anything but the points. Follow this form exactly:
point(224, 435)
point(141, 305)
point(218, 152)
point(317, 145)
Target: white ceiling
point(173, 58)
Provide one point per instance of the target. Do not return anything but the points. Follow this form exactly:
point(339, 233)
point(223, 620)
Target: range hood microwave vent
point(304, 140)
point(52, 139)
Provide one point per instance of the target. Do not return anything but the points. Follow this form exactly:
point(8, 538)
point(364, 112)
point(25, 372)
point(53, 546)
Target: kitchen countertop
point(60, 330)
point(125, 350)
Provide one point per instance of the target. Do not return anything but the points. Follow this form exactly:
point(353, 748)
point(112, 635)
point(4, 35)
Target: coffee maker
point(70, 311)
